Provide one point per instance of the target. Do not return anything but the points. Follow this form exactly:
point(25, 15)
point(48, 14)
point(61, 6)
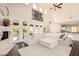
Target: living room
point(37, 29)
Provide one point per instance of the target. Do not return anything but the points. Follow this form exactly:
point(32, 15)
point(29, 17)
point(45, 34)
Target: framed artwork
point(36, 15)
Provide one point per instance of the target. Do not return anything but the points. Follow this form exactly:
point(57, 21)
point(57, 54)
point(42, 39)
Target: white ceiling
point(68, 13)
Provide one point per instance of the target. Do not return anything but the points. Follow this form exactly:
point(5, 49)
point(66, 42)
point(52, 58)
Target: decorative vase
point(6, 22)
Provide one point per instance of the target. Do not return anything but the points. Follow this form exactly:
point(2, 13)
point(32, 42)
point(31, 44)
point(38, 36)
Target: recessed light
point(55, 20)
point(45, 11)
point(41, 10)
point(34, 6)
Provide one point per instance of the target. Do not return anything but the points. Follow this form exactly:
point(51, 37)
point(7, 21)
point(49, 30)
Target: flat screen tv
point(36, 15)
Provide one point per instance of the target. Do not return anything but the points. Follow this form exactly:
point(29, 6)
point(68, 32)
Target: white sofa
point(66, 40)
point(48, 42)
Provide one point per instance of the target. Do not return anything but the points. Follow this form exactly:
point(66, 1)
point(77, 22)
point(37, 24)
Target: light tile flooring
point(14, 51)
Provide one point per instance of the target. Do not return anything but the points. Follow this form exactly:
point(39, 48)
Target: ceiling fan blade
point(59, 7)
point(59, 4)
point(54, 5)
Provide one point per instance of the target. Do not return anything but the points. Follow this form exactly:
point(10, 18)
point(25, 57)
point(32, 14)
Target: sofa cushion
point(48, 42)
point(39, 50)
point(30, 40)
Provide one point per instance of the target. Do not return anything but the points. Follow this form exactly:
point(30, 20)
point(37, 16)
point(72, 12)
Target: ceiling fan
point(56, 5)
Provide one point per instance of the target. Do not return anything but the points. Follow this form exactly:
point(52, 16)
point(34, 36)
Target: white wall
point(18, 10)
point(55, 27)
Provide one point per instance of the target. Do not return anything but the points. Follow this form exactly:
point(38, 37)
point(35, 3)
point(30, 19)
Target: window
point(74, 29)
point(31, 28)
point(15, 31)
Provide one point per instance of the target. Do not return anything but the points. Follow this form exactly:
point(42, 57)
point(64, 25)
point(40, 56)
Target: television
point(36, 15)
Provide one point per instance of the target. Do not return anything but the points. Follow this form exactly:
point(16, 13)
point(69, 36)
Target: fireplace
point(5, 35)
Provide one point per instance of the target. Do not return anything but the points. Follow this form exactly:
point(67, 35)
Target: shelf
point(5, 28)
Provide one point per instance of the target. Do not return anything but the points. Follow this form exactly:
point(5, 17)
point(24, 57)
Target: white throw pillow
point(30, 40)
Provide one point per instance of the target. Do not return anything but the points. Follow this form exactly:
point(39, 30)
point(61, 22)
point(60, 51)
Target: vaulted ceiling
point(68, 13)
